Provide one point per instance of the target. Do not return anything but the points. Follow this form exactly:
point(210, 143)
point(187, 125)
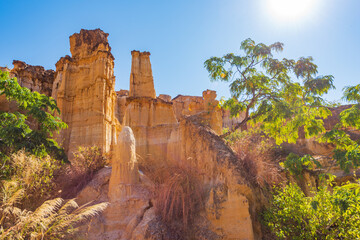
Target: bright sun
point(290, 10)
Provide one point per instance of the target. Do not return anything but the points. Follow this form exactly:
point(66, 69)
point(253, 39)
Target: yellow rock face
point(152, 121)
point(84, 90)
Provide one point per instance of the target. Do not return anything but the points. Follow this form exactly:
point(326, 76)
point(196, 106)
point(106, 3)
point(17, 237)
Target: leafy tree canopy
point(15, 132)
point(264, 88)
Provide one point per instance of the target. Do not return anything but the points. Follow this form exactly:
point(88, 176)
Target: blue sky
point(181, 35)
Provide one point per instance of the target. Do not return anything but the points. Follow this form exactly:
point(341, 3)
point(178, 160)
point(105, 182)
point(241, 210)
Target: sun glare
point(290, 10)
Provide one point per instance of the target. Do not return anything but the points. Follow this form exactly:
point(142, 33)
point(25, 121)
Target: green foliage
point(352, 94)
point(296, 164)
point(347, 150)
point(15, 132)
point(261, 86)
point(325, 215)
point(234, 136)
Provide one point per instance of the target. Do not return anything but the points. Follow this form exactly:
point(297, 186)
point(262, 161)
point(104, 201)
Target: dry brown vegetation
point(35, 177)
point(83, 166)
point(24, 213)
point(178, 193)
point(259, 156)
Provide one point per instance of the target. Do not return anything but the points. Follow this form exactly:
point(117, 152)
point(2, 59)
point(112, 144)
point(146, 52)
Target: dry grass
point(32, 182)
point(84, 165)
point(35, 176)
point(179, 193)
point(259, 157)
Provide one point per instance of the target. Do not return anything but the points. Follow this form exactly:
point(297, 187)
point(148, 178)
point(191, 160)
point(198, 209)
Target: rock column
point(141, 78)
point(125, 172)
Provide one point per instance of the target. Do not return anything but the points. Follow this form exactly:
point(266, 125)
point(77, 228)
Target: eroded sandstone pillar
point(125, 172)
point(84, 91)
point(141, 78)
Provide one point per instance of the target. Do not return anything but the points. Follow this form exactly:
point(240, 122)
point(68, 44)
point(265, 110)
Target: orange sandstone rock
point(84, 90)
point(165, 97)
point(233, 200)
point(141, 78)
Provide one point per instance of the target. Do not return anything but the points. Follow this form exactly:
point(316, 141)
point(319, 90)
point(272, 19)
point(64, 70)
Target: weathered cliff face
point(160, 137)
point(152, 121)
point(35, 78)
point(232, 203)
point(125, 172)
point(187, 105)
point(84, 90)
point(206, 107)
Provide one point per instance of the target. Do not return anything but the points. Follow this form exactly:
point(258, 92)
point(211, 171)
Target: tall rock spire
point(141, 78)
point(84, 91)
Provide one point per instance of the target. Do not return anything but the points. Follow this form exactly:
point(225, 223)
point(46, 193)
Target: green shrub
point(326, 215)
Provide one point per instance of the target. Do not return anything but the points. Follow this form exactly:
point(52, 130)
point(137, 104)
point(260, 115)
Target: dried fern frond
point(68, 207)
point(83, 215)
point(7, 190)
point(54, 219)
point(15, 198)
point(68, 223)
point(46, 209)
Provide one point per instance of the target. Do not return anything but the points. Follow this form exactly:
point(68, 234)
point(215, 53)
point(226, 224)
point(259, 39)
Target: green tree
point(347, 149)
point(263, 88)
point(325, 215)
point(15, 132)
